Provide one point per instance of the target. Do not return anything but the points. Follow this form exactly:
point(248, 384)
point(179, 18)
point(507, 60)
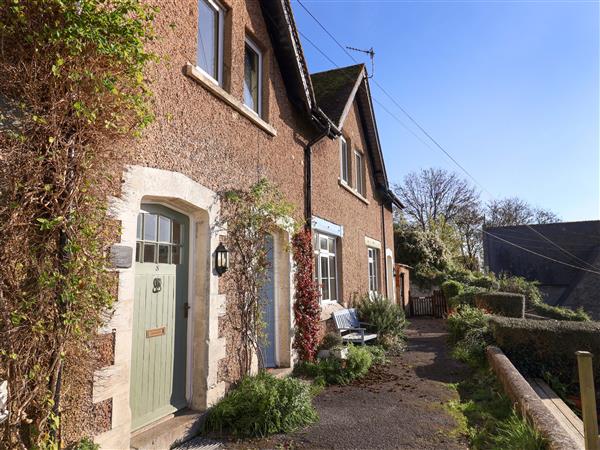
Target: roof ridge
point(542, 224)
point(337, 69)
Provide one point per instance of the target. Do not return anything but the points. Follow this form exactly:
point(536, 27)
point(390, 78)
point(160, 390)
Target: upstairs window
point(373, 260)
point(360, 173)
point(253, 77)
point(344, 160)
point(210, 39)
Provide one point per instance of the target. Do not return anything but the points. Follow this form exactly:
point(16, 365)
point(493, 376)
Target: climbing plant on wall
point(249, 217)
point(72, 91)
point(306, 305)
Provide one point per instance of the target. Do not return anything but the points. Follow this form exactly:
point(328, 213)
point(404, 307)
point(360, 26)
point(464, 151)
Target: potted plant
point(339, 352)
point(330, 342)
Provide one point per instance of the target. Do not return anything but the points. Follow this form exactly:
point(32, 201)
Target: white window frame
point(319, 253)
point(221, 13)
point(344, 177)
point(373, 261)
point(259, 53)
point(360, 175)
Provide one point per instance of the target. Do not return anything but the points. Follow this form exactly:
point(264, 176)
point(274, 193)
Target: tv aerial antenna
point(371, 53)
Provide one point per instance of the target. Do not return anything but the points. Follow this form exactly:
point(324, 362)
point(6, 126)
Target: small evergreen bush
point(464, 319)
point(378, 354)
point(485, 281)
point(330, 341)
point(471, 348)
point(338, 371)
point(359, 362)
point(393, 345)
point(519, 285)
point(452, 288)
point(263, 405)
point(383, 316)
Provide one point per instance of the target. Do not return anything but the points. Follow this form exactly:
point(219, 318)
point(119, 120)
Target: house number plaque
point(121, 256)
point(155, 332)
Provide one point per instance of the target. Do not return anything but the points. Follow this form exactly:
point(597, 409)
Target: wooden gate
point(434, 305)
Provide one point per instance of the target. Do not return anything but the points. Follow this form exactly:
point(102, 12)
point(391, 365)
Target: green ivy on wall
point(73, 86)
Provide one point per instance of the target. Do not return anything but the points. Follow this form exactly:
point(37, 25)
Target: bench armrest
point(352, 329)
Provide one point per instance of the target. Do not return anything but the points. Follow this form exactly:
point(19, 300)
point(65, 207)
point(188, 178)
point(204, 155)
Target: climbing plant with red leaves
point(306, 307)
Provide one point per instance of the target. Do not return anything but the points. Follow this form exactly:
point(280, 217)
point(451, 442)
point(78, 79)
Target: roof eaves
point(302, 65)
point(288, 50)
point(379, 161)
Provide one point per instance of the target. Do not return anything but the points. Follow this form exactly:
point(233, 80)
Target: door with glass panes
point(158, 366)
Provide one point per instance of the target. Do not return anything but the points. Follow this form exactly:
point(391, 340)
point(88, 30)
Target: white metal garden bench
point(347, 323)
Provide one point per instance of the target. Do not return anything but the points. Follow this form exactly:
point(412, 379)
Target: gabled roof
point(334, 87)
point(325, 97)
point(335, 92)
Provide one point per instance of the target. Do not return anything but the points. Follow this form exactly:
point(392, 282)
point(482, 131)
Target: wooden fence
point(434, 305)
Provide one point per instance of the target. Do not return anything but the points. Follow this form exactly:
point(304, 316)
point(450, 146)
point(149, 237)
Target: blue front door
point(269, 342)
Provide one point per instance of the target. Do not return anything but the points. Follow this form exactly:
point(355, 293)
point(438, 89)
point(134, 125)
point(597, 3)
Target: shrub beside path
point(398, 406)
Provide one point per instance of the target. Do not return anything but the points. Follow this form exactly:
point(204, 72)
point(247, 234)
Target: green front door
point(158, 365)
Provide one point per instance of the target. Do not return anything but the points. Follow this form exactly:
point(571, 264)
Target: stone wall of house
point(360, 217)
point(196, 133)
point(198, 146)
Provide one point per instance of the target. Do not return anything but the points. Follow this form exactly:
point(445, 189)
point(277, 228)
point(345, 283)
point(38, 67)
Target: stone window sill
point(352, 191)
point(195, 74)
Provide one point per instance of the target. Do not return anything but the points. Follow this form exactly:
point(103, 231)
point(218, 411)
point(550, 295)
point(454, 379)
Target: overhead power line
point(424, 131)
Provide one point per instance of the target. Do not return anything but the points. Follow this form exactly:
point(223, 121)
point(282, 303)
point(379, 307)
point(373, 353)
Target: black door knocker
point(157, 285)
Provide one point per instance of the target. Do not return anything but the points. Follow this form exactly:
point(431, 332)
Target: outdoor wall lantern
point(221, 259)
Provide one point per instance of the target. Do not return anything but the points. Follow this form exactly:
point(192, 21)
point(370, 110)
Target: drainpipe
point(308, 177)
point(328, 130)
point(385, 268)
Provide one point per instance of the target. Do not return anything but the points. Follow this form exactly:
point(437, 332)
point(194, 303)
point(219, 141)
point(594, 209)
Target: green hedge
point(501, 303)
point(555, 312)
point(466, 297)
point(539, 346)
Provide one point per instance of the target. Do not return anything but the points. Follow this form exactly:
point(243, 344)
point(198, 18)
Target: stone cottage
point(234, 101)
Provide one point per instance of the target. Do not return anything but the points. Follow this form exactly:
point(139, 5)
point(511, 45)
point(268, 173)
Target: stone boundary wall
point(528, 402)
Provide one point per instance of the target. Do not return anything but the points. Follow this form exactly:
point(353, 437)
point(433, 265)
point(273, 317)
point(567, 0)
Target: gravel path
point(399, 406)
